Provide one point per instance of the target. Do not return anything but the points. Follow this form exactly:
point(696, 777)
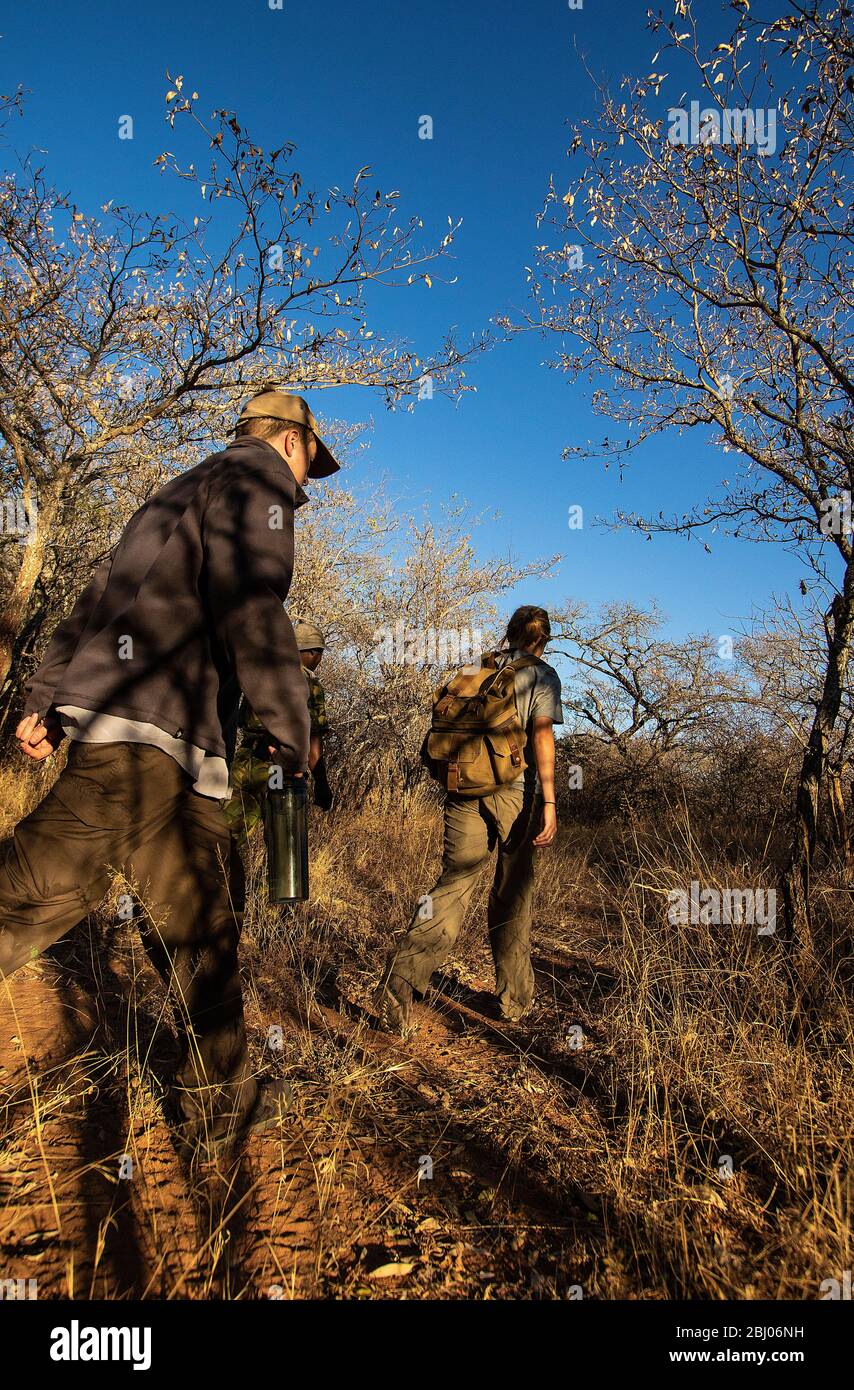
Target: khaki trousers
point(509, 818)
point(130, 807)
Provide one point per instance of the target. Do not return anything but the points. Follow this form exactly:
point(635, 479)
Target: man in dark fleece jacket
point(144, 678)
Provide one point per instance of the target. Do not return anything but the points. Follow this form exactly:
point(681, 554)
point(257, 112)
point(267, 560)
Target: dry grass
point(582, 1150)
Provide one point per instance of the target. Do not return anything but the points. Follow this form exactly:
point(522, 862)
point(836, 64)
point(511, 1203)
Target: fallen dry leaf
point(391, 1271)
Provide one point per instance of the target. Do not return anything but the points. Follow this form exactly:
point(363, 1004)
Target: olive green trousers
point(508, 819)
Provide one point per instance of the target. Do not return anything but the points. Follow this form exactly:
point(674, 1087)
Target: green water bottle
point(286, 836)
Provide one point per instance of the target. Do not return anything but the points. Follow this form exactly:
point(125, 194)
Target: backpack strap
point(517, 664)
point(515, 755)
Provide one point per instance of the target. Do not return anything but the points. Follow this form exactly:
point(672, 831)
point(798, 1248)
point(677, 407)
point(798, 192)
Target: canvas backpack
point(476, 741)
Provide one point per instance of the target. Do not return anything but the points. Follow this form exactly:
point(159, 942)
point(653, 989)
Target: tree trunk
point(795, 884)
point(838, 817)
point(34, 550)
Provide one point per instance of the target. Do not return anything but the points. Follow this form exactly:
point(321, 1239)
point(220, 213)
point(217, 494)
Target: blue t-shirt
point(538, 696)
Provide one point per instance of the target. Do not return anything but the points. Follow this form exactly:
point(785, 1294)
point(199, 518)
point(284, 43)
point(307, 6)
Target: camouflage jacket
point(316, 703)
point(251, 767)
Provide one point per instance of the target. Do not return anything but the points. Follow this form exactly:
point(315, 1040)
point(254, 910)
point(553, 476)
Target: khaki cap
point(278, 405)
point(309, 637)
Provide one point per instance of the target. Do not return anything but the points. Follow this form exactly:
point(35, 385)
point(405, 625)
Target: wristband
point(550, 803)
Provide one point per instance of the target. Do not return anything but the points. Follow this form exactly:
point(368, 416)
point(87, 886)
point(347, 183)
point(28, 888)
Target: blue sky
point(347, 83)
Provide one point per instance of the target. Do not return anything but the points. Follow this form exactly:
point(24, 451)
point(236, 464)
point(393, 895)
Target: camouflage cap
point(309, 637)
point(278, 405)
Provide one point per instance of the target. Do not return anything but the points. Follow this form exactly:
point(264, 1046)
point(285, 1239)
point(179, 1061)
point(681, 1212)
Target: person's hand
point(38, 738)
point(274, 751)
point(549, 827)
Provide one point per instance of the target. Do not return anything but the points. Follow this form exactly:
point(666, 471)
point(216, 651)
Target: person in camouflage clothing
point(251, 768)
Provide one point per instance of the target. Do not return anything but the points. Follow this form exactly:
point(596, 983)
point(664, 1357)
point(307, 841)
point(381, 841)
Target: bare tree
point(784, 653)
point(716, 296)
point(127, 339)
point(632, 685)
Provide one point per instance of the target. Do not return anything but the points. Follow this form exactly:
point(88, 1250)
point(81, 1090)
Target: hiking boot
point(394, 1005)
point(271, 1102)
point(512, 1013)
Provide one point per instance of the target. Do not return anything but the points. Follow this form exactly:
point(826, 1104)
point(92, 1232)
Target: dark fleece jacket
point(187, 611)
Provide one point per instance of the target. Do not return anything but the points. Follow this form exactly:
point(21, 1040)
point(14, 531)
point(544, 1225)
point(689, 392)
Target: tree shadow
point(91, 985)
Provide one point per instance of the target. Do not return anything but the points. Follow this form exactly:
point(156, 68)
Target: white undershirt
point(208, 770)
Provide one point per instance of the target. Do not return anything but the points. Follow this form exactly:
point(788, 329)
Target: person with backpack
point(491, 746)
